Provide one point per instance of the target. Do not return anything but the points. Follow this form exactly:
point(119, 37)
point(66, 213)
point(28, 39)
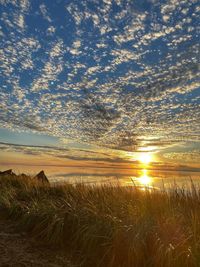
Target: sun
point(145, 158)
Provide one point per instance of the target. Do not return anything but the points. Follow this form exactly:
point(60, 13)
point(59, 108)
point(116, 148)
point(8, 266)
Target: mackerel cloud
point(118, 74)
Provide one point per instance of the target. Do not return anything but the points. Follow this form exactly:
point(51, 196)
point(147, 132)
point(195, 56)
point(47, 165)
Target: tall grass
point(108, 226)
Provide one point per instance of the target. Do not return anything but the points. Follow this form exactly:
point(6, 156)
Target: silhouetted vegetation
point(107, 225)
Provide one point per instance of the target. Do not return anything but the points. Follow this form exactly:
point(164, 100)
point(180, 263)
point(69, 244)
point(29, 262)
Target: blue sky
point(112, 76)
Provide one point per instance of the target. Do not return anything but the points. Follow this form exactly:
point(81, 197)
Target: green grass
point(108, 226)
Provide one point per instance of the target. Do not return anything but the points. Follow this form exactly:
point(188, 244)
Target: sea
point(143, 178)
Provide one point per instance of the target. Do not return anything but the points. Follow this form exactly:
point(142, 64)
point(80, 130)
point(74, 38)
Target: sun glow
point(145, 158)
point(144, 179)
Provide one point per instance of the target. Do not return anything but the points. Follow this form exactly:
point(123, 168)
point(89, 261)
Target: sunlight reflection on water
point(170, 180)
point(145, 179)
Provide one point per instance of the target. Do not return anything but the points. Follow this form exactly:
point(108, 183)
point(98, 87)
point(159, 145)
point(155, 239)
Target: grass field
point(105, 225)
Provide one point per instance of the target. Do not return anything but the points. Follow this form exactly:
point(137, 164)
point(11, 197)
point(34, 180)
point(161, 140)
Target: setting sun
point(145, 158)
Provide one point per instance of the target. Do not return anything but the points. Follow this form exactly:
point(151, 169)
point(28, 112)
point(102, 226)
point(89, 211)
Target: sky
point(100, 83)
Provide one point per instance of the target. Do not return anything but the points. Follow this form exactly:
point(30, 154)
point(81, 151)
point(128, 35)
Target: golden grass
point(108, 226)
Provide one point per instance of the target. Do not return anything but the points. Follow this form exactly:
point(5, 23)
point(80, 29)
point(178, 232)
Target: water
point(142, 178)
point(124, 177)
